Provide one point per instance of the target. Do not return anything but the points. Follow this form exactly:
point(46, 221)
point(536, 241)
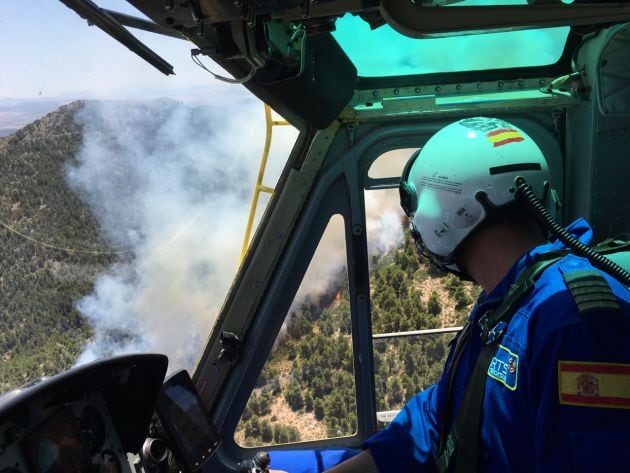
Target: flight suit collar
point(579, 228)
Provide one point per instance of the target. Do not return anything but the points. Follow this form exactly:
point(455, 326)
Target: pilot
point(539, 380)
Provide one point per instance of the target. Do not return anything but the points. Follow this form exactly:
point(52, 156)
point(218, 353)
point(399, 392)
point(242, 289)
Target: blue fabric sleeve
point(407, 444)
point(579, 437)
point(309, 461)
point(410, 442)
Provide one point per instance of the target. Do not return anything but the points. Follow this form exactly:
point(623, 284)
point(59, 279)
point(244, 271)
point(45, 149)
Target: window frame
point(339, 188)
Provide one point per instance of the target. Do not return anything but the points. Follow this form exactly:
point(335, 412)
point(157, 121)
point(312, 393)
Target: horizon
point(17, 113)
point(41, 79)
point(82, 62)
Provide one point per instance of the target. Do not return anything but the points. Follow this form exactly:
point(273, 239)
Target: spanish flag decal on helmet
point(503, 136)
point(594, 384)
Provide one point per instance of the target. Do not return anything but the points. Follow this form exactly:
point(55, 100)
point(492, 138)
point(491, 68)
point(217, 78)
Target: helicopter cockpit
point(326, 66)
point(89, 418)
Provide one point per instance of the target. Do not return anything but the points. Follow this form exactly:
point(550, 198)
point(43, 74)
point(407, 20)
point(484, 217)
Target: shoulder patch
point(590, 291)
point(594, 384)
point(504, 368)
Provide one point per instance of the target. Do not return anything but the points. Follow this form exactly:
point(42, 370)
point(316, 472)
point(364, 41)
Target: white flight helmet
point(464, 175)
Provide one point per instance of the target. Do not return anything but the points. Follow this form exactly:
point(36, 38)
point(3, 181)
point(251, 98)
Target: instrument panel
point(83, 420)
point(73, 437)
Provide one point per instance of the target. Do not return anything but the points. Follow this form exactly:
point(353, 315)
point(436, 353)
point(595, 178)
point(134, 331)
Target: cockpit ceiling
point(383, 38)
point(414, 18)
point(385, 52)
point(288, 53)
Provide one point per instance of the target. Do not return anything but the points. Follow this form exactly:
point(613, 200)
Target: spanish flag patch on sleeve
point(594, 384)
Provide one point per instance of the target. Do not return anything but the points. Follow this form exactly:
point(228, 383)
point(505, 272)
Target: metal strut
point(259, 187)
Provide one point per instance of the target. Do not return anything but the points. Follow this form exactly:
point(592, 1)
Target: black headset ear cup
point(408, 196)
point(408, 199)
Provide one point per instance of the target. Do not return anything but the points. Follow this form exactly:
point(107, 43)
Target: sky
point(49, 52)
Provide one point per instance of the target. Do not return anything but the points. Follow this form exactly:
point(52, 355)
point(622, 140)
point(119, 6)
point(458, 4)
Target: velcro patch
point(594, 384)
point(504, 368)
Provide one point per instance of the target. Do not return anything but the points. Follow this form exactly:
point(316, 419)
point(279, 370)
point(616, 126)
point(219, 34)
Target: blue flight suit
point(557, 394)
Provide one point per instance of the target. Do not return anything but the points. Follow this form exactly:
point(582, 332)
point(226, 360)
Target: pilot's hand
point(259, 464)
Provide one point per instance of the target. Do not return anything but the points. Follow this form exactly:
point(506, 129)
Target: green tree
point(266, 431)
point(293, 396)
point(298, 326)
point(434, 306)
point(396, 393)
point(260, 404)
point(318, 409)
point(308, 402)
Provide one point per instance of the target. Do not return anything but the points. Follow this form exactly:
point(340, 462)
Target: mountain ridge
point(41, 331)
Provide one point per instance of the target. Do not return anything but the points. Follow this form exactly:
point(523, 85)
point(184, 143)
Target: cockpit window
point(306, 390)
point(121, 224)
point(416, 309)
point(383, 52)
point(390, 164)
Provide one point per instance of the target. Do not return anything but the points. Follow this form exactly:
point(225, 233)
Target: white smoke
point(382, 207)
point(172, 184)
point(383, 214)
point(328, 270)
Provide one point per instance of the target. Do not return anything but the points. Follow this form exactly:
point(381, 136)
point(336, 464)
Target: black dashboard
point(84, 420)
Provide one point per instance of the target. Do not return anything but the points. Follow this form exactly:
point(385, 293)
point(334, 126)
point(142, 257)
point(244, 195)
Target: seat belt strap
point(460, 344)
point(467, 453)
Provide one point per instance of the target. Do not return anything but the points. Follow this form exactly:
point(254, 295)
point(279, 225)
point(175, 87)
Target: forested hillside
point(41, 332)
point(306, 390)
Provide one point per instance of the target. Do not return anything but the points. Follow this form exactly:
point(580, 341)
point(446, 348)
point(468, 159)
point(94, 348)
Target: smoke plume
point(171, 183)
point(327, 272)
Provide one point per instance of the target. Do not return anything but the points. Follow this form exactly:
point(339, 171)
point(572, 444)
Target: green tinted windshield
point(384, 52)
